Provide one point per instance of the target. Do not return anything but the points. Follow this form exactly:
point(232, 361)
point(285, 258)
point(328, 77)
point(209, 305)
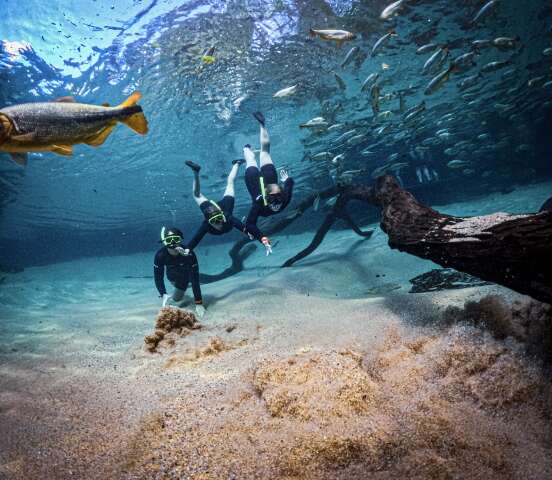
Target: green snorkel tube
point(263, 191)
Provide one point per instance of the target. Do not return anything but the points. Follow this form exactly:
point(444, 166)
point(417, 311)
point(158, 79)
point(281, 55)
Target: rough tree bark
point(512, 250)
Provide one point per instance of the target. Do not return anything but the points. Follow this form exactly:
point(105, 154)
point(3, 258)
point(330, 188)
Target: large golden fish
point(57, 126)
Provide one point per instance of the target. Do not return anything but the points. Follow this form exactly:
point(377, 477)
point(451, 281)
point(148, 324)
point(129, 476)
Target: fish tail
point(132, 100)
point(136, 120)
point(312, 33)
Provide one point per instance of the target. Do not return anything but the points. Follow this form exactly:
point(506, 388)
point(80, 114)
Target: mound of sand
point(292, 387)
point(529, 322)
point(171, 323)
point(215, 346)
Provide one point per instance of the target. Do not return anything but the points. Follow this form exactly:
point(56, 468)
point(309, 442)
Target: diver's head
point(274, 197)
point(214, 215)
point(171, 237)
point(5, 127)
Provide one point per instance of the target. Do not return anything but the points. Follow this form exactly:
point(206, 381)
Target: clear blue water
point(114, 199)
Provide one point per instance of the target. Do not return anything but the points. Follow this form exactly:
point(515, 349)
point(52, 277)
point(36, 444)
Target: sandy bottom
point(327, 370)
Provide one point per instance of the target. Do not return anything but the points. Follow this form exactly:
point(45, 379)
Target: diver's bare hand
point(199, 310)
point(266, 243)
point(283, 175)
point(183, 251)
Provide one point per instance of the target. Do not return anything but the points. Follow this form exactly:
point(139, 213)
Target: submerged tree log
point(511, 250)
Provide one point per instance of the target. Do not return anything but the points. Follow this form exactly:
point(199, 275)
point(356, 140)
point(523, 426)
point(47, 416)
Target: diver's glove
point(183, 251)
point(266, 243)
point(284, 175)
point(199, 310)
point(165, 300)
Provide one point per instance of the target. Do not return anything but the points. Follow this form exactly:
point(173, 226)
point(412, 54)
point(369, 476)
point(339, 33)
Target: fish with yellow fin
point(57, 126)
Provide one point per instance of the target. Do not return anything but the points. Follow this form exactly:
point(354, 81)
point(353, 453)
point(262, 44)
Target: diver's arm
point(237, 224)
point(198, 236)
point(159, 274)
point(196, 286)
point(251, 223)
point(288, 189)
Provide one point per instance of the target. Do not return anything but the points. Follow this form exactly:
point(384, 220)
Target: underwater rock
point(443, 279)
point(170, 320)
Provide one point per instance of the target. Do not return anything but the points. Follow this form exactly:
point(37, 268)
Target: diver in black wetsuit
point(218, 216)
point(267, 195)
point(181, 266)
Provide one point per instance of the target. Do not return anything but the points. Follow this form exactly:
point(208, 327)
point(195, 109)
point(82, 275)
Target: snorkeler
point(267, 195)
point(218, 216)
point(181, 265)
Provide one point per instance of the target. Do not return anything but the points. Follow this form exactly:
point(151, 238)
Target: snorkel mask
point(171, 237)
point(215, 215)
point(274, 198)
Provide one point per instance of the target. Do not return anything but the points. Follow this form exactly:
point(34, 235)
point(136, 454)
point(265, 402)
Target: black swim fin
point(259, 117)
point(194, 166)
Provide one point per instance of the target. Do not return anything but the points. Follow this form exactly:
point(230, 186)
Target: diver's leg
point(178, 294)
point(198, 196)
point(231, 178)
point(265, 158)
point(249, 156)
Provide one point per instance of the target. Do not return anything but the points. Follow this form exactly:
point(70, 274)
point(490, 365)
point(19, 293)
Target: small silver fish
point(506, 43)
point(317, 122)
point(465, 61)
point(469, 82)
point(391, 9)
point(340, 83)
point(426, 48)
point(454, 164)
point(322, 156)
point(382, 41)
point(436, 60)
point(481, 44)
point(356, 140)
point(345, 136)
point(369, 82)
point(493, 66)
point(286, 92)
point(484, 11)
point(350, 56)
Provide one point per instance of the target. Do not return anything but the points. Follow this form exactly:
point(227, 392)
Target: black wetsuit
point(180, 270)
point(227, 207)
point(258, 208)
